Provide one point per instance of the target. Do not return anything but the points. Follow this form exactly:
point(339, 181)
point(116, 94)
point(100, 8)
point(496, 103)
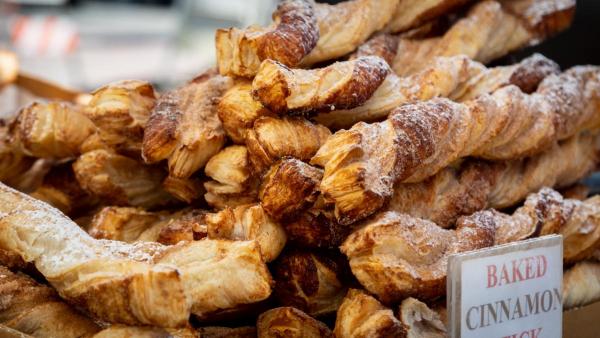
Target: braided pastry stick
point(36, 309)
point(456, 77)
point(184, 127)
point(490, 30)
point(410, 14)
point(404, 269)
point(293, 34)
point(342, 85)
point(476, 184)
point(417, 140)
point(155, 284)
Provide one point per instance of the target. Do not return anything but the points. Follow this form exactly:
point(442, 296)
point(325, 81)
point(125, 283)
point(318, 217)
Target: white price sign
point(507, 291)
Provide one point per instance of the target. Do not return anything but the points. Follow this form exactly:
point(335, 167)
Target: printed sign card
point(508, 291)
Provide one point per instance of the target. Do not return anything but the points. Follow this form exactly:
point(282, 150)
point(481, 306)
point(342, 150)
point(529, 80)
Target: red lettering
point(524, 334)
point(492, 279)
point(504, 276)
point(517, 276)
point(529, 274)
point(542, 266)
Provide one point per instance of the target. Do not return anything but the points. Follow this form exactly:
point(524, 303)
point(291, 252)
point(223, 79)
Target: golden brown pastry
point(291, 36)
point(383, 45)
point(13, 162)
point(490, 30)
point(238, 110)
point(346, 25)
point(421, 321)
point(547, 212)
point(61, 190)
point(363, 316)
point(184, 189)
point(52, 130)
point(120, 110)
point(410, 14)
point(577, 191)
point(342, 85)
point(129, 225)
point(289, 187)
point(233, 179)
point(395, 256)
point(458, 78)
point(417, 140)
point(581, 284)
point(36, 310)
point(141, 283)
point(248, 222)
point(290, 322)
point(315, 228)
point(184, 127)
point(476, 184)
point(271, 139)
point(121, 180)
point(312, 281)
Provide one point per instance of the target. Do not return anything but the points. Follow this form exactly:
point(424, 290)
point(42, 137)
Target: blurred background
point(86, 43)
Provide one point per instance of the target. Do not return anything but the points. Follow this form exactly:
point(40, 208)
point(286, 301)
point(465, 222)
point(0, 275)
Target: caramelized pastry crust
point(312, 281)
point(289, 187)
point(410, 14)
point(362, 316)
point(290, 322)
point(417, 140)
point(184, 189)
point(342, 85)
point(293, 34)
point(184, 127)
point(581, 284)
point(315, 228)
point(421, 321)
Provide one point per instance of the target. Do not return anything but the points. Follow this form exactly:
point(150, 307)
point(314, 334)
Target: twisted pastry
point(388, 255)
point(233, 179)
point(363, 316)
point(290, 322)
point(457, 77)
point(120, 110)
point(248, 222)
point(404, 268)
point(490, 30)
point(121, 180)
point(476, 184)
point(421, 321)
point(271, 139)
point(184, 127)
point(36, 310)
point(342, 85)
point(155, 284)
point(312, 281)
point(293, 34)
point(417, 140)
point(184, 189)
point(12, 160)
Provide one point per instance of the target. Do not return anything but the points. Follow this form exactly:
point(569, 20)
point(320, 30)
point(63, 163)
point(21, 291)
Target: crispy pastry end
point(290, 322)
